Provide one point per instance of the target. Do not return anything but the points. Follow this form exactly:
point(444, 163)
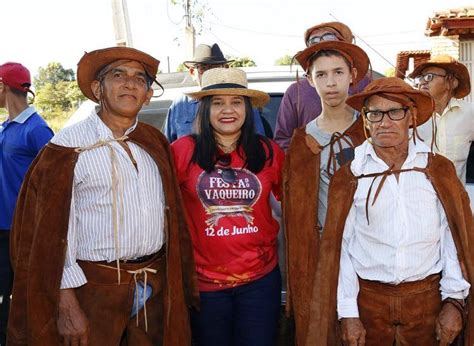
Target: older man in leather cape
point(396, 257)
point(100, 249)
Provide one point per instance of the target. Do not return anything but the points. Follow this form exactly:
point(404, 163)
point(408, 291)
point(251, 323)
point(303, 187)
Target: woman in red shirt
point(226, 173)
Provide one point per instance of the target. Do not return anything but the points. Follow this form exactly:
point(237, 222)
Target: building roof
point(403, 60)
point(456, 21)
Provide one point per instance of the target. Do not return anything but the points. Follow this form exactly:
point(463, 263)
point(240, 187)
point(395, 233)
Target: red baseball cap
point(16, 76)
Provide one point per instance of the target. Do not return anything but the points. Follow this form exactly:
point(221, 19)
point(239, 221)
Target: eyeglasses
point(329, 36)
point(395, 114)
point(224, 169)
point(427, 77)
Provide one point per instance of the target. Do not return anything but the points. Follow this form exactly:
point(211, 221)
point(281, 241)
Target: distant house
point(451, 32)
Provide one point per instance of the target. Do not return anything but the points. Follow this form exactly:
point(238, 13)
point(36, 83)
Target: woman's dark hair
point(206, 150)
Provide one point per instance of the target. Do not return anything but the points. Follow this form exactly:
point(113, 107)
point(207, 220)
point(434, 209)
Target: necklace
point(227, 149)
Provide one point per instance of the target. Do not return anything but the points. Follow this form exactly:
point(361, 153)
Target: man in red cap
point(448, 81)
point(22, 136)
point(100, 251)
point(301, 102)
point(396, 261)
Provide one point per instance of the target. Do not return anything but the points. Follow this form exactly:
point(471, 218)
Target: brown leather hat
point(358, 56)
point(341, 28)
point(92, 63)
point(452, 65)
point(393, 85)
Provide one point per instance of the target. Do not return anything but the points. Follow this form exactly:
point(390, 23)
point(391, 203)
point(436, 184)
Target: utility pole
point(189, 32)
point(123, 34)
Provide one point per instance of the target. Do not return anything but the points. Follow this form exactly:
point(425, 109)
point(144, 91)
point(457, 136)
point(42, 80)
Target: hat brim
point(257, 98)
point(424, 102)
point(359, 56)
point(459, 70)
point(91, 64)
point(190, 63)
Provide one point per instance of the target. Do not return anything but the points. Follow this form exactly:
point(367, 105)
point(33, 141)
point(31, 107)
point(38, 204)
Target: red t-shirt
point(233, 232)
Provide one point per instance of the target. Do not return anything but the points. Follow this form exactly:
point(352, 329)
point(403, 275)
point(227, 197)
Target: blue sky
point(37, 32)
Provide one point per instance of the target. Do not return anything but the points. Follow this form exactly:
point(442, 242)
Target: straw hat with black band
point(392, 88)
point(229, 81)
point(451, 65)
point(91, 64)
point(356, 56)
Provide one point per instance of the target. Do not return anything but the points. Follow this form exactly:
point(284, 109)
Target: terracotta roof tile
point(453, 21)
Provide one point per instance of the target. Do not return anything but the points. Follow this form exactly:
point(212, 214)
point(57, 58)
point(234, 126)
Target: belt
point(145, 258)
point(403, 288)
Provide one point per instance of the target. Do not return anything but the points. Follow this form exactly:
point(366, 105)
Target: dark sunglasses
point(226, 172)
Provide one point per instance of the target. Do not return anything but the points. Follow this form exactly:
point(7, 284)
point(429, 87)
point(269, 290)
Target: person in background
point(448, 81)
point(301, 102)
point(182, 112)
point(226, 173)
point(22, 136)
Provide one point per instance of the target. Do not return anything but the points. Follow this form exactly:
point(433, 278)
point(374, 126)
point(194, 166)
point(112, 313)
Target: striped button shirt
point(140, 201)
point(408, 237)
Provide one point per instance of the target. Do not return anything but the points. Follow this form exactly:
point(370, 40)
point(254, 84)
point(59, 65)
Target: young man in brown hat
point(316, 152)
point(182, 112)
point(389, 275)
point(22, 135)
point(100, 251)
point(301, 102)
point(448, 81)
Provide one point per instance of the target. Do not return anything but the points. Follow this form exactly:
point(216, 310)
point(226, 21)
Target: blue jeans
point(246, 315)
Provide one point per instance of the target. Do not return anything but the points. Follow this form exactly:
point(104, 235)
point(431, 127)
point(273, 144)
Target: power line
point(222, 41)
point(169, 17)
point(250, 30)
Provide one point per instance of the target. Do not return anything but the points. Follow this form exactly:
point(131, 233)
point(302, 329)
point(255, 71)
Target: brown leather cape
point(300, 210)
point(39, 240)
point(440, 171)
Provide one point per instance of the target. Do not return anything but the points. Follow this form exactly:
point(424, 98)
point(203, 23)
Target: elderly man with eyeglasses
point(301, 102)
point(451, 129)
point(395, 261)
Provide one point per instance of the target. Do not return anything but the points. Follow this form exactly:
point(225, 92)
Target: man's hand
point(448, 324)
point(353, 332)
point(72, 323)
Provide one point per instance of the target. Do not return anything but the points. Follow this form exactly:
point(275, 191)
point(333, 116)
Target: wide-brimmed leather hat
point(357, 55)
point(345, 33)
point(209, 55)
point(229, 81)
point(393, 86)
point(452, 65)
point(93, 62)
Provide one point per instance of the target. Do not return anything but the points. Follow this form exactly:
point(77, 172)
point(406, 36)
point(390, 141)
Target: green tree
point(244, 61)
point(181, 68)
point(284, 60)
point(57, 94)
point(390, 72)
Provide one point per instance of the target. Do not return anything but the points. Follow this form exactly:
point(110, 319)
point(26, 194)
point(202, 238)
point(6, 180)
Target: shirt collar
point(103, 130)
point(366, 150)
point(25, 115)
point(453, 103)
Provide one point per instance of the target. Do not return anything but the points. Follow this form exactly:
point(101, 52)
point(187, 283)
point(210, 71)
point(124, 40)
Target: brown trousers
point(403, 314)
point(108, 305)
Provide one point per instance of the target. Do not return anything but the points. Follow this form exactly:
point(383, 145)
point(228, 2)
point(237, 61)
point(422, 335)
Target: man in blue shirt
point(182, 112)
point(22, 136)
